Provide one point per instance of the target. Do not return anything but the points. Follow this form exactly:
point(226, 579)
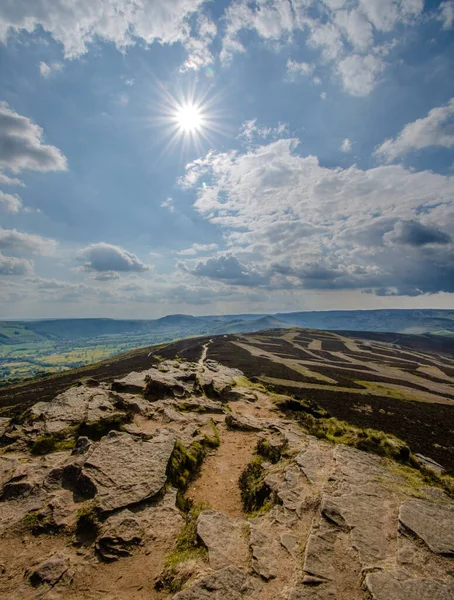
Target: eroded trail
point(217, 485)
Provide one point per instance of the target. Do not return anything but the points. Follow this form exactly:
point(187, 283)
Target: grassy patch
point(213, 441)
point(55, 442)
point(178, 565)
point(271, 451)
point(255, 493)
point(35, 522)
point(184, 464)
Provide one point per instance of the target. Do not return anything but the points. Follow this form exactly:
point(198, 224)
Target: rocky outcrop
point(330, 522)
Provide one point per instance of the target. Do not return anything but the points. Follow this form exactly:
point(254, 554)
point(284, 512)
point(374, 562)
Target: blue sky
point(315, 169)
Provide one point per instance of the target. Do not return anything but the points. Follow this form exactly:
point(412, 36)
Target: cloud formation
point(17, 243)
point(78, 23)
point(10, 203)
point(21, 145)
point(290, 223)
point(107, 258)
point(10, 265)
point(437, 129)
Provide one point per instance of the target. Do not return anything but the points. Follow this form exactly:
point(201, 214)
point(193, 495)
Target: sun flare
point(189, 118)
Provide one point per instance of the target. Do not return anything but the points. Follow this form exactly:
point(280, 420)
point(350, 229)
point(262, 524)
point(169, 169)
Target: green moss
point(98, 429)
point(35, 522)
point(55, 442)
point(272, 452)
point(213, 441)
point(184, 464)
point(187, 548)
point(254, 491)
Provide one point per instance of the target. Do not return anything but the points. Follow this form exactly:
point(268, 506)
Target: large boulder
point(125, 470)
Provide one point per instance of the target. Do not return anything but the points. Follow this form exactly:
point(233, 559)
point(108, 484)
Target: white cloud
point(17, 243)
point(250, 131)
point(356, 28)
point(346, 145)
point(10, 265)
point(11, 203)
point(323, 95)
point(21, 145)
point(168, 203)
point(48, 70)
point(197, 248)
point(78, 23)
point(103, 257)
point(290, 223)
point(434, 130)
point(5, 180)
point(446, 14)
point(360, 74)
point(295, 68)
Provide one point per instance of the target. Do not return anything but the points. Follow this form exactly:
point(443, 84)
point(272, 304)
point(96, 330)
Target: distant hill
point(439, 322)
point(30, 348)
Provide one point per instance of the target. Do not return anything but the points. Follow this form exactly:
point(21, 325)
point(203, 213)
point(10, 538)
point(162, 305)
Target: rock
point(430, 464)
point(224, 537)
point(83, 444)
point(50, 571)
point(433, 522)
point(125, 470)
point(318, 557)
point(202, 405)
point(264, 553)
point(312, 460)
point(74, 406)
point(290, 543)
point(4, 425)
point(398, 585)
point(218, 381)
point(119, 535)
point(229, 583)
point(244, 423)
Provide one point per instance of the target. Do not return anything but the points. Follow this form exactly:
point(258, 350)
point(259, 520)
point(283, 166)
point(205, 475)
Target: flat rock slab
point(125, 470)
point(226, 584)
point(74, 406)
point(264, 553)
point(224, 537)
point(397, 586)
point(433, 522)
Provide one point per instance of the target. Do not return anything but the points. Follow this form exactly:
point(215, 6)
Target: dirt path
point(204, 354)
point(217, 484)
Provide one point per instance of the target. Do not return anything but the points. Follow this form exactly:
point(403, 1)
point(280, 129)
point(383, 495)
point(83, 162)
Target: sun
point(189, 118)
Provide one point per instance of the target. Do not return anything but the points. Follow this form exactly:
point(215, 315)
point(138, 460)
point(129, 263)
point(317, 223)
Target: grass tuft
point(255, 493)
point(179, 564)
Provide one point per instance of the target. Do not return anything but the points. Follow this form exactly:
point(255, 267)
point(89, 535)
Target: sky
point(210, 157)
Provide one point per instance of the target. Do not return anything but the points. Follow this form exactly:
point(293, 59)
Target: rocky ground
point(186, 481)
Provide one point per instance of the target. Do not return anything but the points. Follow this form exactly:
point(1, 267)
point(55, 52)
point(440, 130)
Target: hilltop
point(291, 464)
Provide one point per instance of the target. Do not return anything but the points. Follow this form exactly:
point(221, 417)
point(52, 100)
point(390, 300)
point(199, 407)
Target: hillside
point(28, 348)
point(293, 464)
